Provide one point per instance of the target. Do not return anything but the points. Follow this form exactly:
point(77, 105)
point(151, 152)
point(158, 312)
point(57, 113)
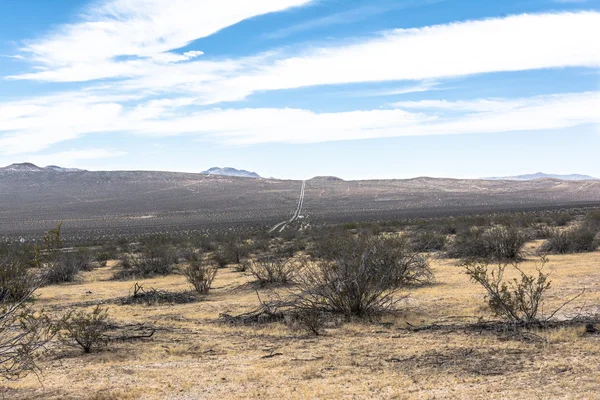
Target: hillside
point(541, 175)
point(35, 199)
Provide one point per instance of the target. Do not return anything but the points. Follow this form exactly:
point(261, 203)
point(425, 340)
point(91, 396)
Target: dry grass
point(195, 357)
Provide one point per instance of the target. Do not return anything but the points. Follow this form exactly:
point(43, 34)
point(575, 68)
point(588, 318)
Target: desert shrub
point(22, 333)
point(468, 244)
point(107, 252)
point(153, 296)
point(243, 266)
point(517, 300)
point(232, 251)
point(219, 259)
point(16, 282)
point(592, 221)
point(496, 243)
point(86, 330)
point(311, 321)
point(427, 241)
point(148, 262)
point(504, 243)
point(65, 268)
point(541, 231)
point(361, 277)
point(577, 240)
point(199, 272)
point(269, 269)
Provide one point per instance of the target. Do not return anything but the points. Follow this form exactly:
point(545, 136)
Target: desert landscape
point(299, 199)
point(258, 331)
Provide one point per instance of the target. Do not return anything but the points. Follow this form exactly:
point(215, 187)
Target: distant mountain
point(327, 179)
point(231, 172)
point(62, 169)
point(29, 167)
point(541, 175)
point(22, 167)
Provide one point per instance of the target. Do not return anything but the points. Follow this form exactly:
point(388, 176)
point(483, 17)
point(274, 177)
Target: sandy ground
point(194, 356)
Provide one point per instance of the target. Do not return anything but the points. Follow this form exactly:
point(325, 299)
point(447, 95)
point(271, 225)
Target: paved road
point(282, 225)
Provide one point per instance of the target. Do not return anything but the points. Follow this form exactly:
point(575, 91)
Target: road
point(282, 225)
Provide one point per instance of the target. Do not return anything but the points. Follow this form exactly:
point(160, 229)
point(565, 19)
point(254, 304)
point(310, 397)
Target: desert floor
point(193, 355)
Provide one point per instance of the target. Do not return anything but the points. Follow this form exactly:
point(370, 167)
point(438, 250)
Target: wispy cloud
point(350, 16)
point(37, 126)
point(516, 43)
point(73, 157)
point(136, 41)
point(139, 30)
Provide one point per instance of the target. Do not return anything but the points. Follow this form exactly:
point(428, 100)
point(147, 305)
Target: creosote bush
point(575, 240)
point(86, 330)
point(148, 262)
point(269, 269)
point(516, 300)
point(199, 272)
point(428, 241)
point(360, 276)
point(16, 281)
point(495, 243)
point(22, 333)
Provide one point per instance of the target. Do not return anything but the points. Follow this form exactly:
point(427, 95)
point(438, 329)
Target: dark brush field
point(132, 202)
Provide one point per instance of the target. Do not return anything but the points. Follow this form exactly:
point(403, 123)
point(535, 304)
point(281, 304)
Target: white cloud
point(72, 157)
point(515, 43)
point(137, 41)
point(144, 28)
point(33, 127)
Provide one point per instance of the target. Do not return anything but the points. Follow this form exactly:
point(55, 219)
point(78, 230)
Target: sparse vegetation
point(272, 269)
point(199, 272)
point(495, 243)
point(148, 262)
point(360, 287)
point(361, 277)
point(571, 240)
point(16, 281)
point(86, 330)
point(517, 300)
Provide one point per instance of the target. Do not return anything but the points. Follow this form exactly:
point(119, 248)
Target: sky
point(359, 89)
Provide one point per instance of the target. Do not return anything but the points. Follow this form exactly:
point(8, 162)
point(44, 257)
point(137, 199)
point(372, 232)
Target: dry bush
point(154, 296)
point(16, 281)
point(86, 330)
point(428, 241)
point(496, 243)
point(148, 262)
point(61, 271)
point(269, 269)
point(199, 272)
point(311, 321)
point(518, 300)
point(361, 277)
point(22, 333)
point(233, 250)
point(505, 243)
point(577, 240)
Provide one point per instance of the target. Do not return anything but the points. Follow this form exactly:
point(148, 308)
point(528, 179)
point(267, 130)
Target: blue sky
point(297, 88)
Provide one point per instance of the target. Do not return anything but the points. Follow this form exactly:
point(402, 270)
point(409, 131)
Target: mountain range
point(227, 171)
point(34, 199)
point(541, 175)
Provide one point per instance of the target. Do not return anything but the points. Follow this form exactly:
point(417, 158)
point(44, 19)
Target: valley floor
point(195, 356)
